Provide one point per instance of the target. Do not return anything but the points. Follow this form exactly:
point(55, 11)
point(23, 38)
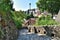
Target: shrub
point(46, 20)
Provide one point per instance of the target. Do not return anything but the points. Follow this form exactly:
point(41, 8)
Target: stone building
point(35, 12)
point(58, 17)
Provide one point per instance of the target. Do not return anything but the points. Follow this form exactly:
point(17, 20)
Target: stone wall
point(52, 30)
point(8, 29)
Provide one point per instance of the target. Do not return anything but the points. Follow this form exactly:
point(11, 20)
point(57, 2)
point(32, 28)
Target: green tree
point(6, 10)
point(51, 6)
point(6, 5)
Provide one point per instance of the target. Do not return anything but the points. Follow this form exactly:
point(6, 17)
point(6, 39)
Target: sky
point(24, 4)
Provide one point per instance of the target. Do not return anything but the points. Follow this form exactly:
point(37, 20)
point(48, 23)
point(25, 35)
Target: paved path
point(24, 35)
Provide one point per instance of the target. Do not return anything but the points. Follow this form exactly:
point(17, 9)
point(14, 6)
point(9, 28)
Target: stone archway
point(39, 30)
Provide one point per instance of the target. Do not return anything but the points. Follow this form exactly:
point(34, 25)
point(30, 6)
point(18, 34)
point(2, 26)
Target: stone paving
point(24, 35)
